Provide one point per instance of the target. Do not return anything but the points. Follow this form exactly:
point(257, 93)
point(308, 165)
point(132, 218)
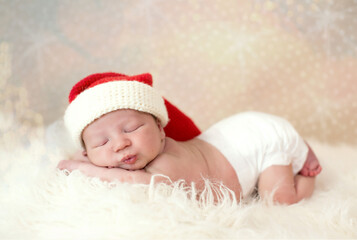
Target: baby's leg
point(286, 188)
point(311, 166)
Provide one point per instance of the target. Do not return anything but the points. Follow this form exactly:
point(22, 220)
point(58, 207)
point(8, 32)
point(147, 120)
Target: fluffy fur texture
point(40, 202)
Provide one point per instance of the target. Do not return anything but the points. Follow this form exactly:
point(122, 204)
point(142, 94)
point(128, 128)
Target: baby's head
point(124, 138)
point(113, 112)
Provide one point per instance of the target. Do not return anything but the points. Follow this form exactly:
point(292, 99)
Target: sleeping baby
point(119, 121)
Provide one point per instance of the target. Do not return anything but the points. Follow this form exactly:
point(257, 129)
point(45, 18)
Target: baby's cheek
point(99, 159)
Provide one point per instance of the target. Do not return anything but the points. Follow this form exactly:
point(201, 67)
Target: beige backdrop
point(296, 59)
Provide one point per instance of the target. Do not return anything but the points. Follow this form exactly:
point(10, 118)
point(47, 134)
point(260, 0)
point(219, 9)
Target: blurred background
point(293, 58)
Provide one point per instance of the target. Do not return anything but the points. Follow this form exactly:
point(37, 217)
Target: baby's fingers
point(67, 164)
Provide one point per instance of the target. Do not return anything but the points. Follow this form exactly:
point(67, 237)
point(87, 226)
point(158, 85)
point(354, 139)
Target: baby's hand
point(84, 166)
point(69, 165)
point(106, 174)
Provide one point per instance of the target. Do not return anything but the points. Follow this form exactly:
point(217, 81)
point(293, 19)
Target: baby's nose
point(121, 144)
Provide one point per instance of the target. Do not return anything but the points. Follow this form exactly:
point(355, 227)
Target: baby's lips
point(130, 159)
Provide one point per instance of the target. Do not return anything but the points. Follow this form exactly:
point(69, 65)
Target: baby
point(119, 121)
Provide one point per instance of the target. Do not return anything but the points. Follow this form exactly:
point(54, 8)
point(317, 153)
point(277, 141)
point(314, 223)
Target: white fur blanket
point(39, 202)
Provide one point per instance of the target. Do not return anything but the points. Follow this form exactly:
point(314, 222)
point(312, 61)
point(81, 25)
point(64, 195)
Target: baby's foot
point(311, 166)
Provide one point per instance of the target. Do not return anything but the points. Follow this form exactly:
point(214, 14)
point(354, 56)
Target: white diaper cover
point(253, 141)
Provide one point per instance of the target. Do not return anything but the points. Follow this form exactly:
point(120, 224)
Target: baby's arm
point(106, 174)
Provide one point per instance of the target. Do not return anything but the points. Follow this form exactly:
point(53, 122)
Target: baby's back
point(192, 161)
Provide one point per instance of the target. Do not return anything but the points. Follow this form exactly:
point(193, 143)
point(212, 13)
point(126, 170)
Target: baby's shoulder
point(166, 162)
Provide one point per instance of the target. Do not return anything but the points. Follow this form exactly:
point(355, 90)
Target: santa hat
point(102, 93)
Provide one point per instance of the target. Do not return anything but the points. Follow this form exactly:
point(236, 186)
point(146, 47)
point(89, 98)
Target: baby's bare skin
point(193, 160)
point(312, 166)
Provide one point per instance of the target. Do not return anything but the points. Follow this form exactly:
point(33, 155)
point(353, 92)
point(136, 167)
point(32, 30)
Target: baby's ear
point(80, 156)
point(158, 123)
point(84, 153)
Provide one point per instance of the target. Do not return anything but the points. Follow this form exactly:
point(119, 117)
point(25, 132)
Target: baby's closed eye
point(100, 143)
point(132, 128)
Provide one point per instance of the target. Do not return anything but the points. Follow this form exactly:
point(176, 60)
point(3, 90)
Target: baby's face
point(127, 139)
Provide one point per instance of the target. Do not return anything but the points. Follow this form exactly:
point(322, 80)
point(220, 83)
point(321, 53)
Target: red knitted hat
point(102, 93)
